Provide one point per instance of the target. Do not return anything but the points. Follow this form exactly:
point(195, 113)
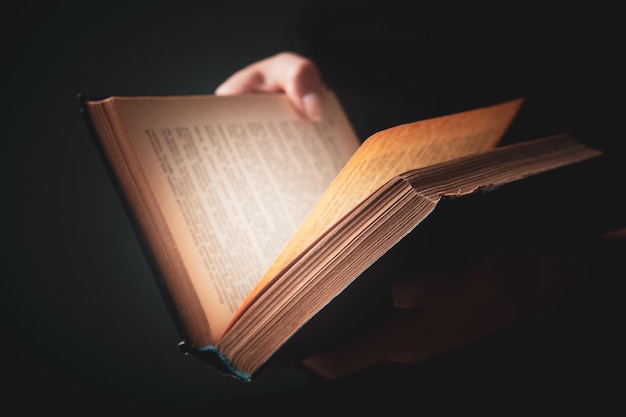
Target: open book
point(257, 221)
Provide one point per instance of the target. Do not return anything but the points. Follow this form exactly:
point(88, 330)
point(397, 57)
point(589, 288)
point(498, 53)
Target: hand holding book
point(439, 309)
point(276, 237)
point(286, 72)
point(443, 308)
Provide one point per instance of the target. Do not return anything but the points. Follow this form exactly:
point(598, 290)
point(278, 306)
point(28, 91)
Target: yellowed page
point(234, 177)
point(389, 153)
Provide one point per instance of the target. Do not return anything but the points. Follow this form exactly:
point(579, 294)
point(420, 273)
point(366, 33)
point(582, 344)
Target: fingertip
point(221, 90)
point(348, 359)
point(322, 366)
point(313, 106)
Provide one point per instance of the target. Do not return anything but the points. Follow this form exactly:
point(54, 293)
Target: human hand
point(441, 310)
point(286, 72)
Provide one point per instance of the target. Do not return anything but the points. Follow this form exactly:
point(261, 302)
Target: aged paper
point(234, 179)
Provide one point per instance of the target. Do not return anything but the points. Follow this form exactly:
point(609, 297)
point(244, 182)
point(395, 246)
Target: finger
point(247, 80)
point(425, 289)
point(409, 337)
point(301, 80)
point(290, 73)
point(348, 359)
point(415, 335)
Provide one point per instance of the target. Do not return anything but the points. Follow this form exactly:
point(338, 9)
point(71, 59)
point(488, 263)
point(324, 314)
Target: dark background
point(84, 329)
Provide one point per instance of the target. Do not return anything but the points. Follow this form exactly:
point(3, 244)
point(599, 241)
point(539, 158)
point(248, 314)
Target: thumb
point(337, 363)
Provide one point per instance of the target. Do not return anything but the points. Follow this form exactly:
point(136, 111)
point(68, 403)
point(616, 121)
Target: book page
point(234, 177)
point(387, 154)
point(316, 280)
